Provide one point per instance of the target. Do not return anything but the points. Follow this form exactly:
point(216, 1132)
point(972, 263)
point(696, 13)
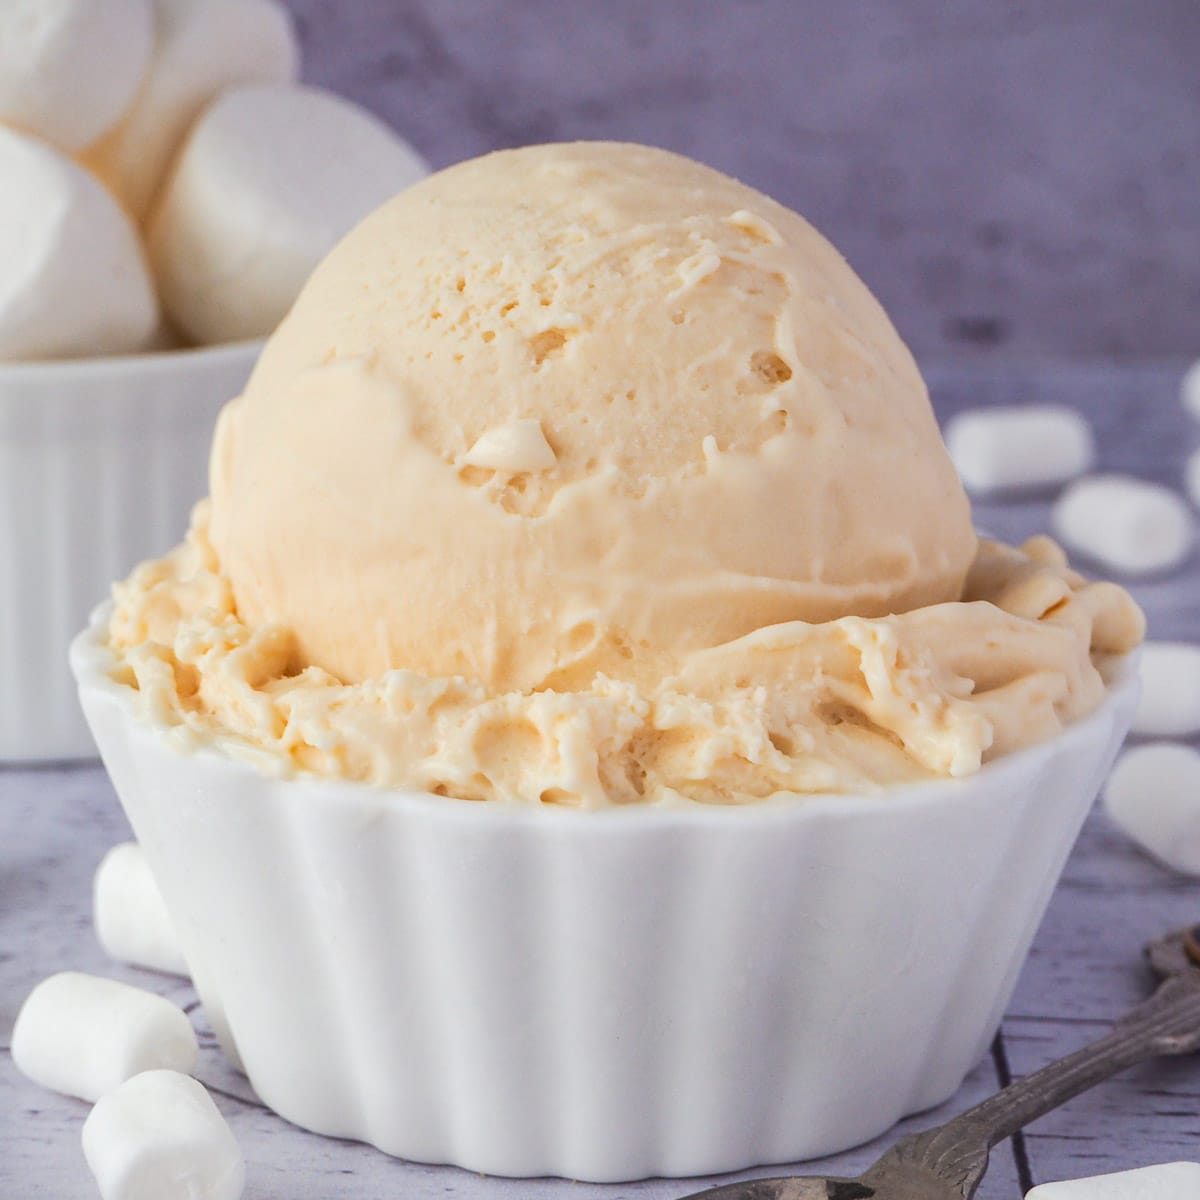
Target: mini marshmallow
point(72, 277)
point(1167, 1181)
point(1026, 446)
point(201, 48)
point(1153, 794)
point(132, 922)
point(160, 1135)
point(70, 68)
point(269, 180)
point(1189, 389)
point(1170, 703)
point(83, 1035)
point(516, 446)
point(1125, 524)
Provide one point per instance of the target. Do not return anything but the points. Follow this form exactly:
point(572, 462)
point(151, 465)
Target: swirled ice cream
point(584, 474)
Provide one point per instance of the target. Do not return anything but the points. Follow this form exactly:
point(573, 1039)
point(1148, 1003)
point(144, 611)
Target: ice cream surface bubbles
point(584, 473)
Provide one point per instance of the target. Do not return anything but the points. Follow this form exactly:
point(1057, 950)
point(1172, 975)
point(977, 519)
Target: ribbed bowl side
point(603, 996)
point(98, 470)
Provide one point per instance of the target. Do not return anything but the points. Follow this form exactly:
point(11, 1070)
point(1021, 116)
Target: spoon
point(947, 1163)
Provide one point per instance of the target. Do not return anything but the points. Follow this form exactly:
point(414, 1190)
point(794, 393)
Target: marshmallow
point(1125, 524)
point(160, 1135)
point(1153, 794)
point(70, 68)
point(1170, 703)
point(131, 920)
point(515, 446)
point(84, 1035)
point(1027, 446)
point(1189, 389)
point(72, 277)
point(1167, 1181)
point(269, 180)
point(201, 48)
point(1192, 477)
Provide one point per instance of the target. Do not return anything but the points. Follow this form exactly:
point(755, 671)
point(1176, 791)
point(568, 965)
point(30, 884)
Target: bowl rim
point(91, 661)
point(156, 362)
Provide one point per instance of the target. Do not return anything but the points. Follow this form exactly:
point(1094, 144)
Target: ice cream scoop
point(721, 430)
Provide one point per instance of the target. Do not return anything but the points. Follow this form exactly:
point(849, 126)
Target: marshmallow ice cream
point(586, 475)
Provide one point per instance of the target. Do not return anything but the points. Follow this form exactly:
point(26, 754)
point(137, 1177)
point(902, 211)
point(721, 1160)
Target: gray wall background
point(1015, 180)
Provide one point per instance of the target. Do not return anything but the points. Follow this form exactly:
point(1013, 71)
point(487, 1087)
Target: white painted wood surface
point(55, 824)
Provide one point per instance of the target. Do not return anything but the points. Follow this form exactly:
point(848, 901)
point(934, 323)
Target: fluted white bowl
point(100, 462)
point(599, 995)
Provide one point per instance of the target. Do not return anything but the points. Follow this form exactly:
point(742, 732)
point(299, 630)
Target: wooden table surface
point(1085, 968)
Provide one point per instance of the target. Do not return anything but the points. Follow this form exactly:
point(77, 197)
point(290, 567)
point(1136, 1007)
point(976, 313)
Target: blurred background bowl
point(101, 461)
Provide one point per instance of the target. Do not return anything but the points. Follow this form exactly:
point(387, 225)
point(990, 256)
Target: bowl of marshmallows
point(166, 189)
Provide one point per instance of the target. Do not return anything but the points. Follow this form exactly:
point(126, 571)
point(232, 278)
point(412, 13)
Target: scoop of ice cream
point(579, 409)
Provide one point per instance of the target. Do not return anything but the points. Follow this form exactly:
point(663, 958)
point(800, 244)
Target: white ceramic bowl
point(603, 995)
point(100, 463)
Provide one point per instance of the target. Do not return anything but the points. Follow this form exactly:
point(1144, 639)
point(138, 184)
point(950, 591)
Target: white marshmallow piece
point(1170, 703)
point(516, 446)
point(1153, 795)
point(1019, 447)
point(1189, 389)
point(269, 180)
point(159, 1136)
point(70, 68)
point(202, 47)
point(1167, 1181)
point(1192, 478)
point(1125, 524)
point(83, 1035)
point(132, 922)
point(72, 277)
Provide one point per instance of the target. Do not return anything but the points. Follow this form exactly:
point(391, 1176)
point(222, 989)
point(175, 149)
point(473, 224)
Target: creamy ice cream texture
point(588, 475)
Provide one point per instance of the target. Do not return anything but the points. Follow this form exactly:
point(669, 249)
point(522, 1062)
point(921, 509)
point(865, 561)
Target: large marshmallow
point(132, 922)
point(1125, 524)
point(1153, 794)
point(1189, 389)
point(70, 68)
point(160, 1136)
point(1027, 446)
point(1167, 1181)
point(1170, 703)
point(202, 47)
point(73, 280)
point(83, 1035)
point(269, 180)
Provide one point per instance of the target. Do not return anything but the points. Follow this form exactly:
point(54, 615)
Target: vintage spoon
point(948, 1163)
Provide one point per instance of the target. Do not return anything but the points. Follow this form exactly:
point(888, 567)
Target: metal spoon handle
point(1168, 1023)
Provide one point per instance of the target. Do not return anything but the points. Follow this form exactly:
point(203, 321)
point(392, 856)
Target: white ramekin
point(605, 995)
point(100, 463)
